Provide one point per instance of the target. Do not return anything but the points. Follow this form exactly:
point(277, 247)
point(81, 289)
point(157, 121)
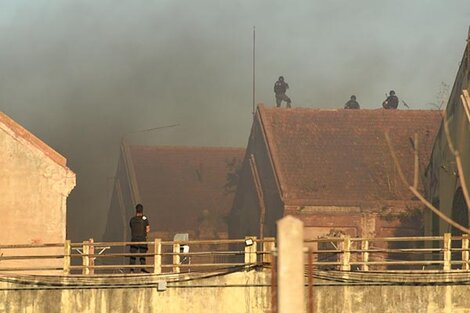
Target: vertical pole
point(250, 251)
point(416, 168)
point(274, 282)
point(290, 265)
point(310, 280)
point(447, 252)
point(85, 258)
point(345, 264)
point(268, 247)
point(465, 253)
point(67, 252)
point(176, 258)
point(253, 69)
point(365, 255)
point(91, 250)
point(157, 258)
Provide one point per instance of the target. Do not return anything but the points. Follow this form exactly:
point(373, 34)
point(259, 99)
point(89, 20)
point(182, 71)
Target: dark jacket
point(391, 102)
point(138, 225)
point(280, 87)
point(352, 104)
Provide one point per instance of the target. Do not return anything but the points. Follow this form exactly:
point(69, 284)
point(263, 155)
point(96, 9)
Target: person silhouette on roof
point(391, 102)
point(280, 88)
point(352, 103)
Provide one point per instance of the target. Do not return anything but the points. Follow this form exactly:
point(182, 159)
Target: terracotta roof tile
point(177, 183)
point(341, 155)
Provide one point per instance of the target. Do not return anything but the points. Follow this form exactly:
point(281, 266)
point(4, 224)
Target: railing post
point(250, 250)
point(465, 254)
point(365, 254)
point(85, 258)
point(345, 265)
point(176, 257)
point(67, 252)
point(91, 250)
point(268, 247)
point(157, 258)
point(447, 252)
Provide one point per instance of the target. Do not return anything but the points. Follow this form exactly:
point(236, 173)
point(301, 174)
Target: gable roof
point(21, 132)
point(176, 184)
point(328, 157)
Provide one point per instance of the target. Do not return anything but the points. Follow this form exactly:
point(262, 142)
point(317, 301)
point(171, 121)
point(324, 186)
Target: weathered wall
point(442, 176)
point(243, 292)
point(34, 185)
point(402, 219)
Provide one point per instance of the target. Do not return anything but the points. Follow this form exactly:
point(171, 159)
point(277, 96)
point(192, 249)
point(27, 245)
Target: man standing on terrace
point(140, 227)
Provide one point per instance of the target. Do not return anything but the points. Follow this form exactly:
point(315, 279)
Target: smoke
point(82, 74)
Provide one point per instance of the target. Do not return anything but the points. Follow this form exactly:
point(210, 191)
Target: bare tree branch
point(458, 161)
point(417, 193)
point(466, 103)
point(416, 170)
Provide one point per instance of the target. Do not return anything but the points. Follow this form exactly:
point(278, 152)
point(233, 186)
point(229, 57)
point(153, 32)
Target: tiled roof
point(341, 156)
point(177, 183)
point(21, 132)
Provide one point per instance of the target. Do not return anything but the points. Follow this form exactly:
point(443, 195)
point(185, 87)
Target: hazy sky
point(81, 74)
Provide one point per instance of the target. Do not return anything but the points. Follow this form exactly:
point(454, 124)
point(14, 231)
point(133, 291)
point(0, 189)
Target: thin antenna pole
point(254, 60)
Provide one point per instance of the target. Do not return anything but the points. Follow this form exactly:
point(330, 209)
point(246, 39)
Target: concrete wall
point(242, 292)
point(403, 219)
point(34, 185)
point(442, 177)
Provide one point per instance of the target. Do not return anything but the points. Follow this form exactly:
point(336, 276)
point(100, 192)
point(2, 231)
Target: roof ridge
point(297, 109)
point(31, 138)
point(276, 164)
point(311, 149)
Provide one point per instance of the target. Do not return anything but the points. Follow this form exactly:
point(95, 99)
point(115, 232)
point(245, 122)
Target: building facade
point(445, 177)
point(35, 183)
point(183, 190)
point(333, 170)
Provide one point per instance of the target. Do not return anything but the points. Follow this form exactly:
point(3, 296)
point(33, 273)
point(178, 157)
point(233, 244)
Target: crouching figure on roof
point(352, 103)
point(391, 102)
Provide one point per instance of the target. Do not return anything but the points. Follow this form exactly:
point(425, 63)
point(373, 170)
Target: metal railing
point(89, 257)
point(432, 253)
point(437, 253)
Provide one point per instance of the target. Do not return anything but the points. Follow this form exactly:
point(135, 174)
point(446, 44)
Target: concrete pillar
point(465, 255)
point(447, 251)
point(268, 247)
point(250, 250)
point(346, 254)
point(91, 251)
point(67, 252)
point(290, 265)
point(365, 255)
point(85, 258)
point(157, 258)
point(176, 258)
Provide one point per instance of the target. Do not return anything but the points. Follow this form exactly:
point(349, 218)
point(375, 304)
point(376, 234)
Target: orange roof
point(177, 183)
point(341, 156)
point(20, 131)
